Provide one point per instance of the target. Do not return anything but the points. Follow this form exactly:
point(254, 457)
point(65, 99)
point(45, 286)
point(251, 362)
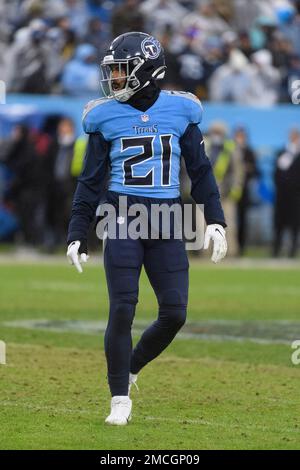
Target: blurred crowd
point(235, 167)
point(39, 178)
point(237, 51)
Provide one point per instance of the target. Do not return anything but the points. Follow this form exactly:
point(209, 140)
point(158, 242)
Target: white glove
point(76, 258)
point(216, 233)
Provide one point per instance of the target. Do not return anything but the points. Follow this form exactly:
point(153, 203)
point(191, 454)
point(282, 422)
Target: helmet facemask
point(115, 71)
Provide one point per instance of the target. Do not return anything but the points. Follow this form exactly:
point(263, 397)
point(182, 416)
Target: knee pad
point(172, 316)
point(121, 316)
point(172, 308)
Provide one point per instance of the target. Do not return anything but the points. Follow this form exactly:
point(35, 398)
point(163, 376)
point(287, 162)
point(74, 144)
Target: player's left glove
point(77, 253)
point(217, 234)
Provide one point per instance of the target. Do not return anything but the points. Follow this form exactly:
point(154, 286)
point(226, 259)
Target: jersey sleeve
point(195, 109)
point(92, 116)
point(188, 106)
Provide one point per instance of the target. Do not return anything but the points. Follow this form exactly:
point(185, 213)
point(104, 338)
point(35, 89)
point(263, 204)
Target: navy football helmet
point(131, 63)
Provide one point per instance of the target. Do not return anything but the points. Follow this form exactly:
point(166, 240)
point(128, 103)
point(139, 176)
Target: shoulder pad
point(91, 118)
point(193, 105)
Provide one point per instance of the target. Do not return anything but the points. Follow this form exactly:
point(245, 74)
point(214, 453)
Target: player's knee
point(173, 317)
point(177, 317)
point(182, 316)
point(121, 316)
point(172, 308)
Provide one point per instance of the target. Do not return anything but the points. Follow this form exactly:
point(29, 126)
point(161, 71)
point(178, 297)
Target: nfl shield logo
point(145, 117)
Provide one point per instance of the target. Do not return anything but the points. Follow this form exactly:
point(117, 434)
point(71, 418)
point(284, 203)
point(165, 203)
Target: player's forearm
point(90, 188)
point(205, 191)
point(204, 187)
point(83, 211)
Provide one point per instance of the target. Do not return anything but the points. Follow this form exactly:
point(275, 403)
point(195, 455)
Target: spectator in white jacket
point(232, 81)
point(265, 80)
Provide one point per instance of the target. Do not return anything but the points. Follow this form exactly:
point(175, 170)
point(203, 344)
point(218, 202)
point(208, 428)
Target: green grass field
point(226, 383)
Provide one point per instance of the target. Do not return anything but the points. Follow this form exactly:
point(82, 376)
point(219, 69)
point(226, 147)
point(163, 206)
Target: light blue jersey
point(144, 147)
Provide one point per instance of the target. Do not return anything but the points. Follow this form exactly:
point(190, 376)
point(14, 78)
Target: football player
point(138, 134)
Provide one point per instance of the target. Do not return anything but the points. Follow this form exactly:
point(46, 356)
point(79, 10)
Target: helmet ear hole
point(133, 83)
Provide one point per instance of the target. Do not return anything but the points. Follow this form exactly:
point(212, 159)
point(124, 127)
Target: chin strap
point(130, 93)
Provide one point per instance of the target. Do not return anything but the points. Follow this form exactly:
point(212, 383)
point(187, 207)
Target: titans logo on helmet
point(151, 47)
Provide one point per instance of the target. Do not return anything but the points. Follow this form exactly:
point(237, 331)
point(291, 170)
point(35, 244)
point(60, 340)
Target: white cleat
point(132, 381)
point(120, 413)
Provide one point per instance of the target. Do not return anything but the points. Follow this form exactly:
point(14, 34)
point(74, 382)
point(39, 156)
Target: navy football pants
point(166, 265)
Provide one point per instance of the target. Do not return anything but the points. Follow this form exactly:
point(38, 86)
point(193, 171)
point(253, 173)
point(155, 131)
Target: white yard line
point(203, 330)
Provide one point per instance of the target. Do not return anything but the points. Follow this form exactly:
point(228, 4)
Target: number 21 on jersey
point(146, 144)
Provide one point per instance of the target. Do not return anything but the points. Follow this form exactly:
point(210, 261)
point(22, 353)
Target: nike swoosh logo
point(217, 230)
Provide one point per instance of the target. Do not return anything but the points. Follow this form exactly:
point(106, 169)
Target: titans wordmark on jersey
point(144, 147)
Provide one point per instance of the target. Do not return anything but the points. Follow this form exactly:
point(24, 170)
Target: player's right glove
point(217, 234)
point(77, 253)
